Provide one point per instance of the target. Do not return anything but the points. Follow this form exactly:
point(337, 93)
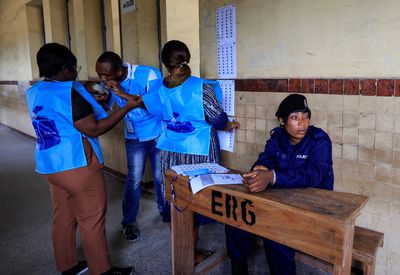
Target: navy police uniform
point(306, 164)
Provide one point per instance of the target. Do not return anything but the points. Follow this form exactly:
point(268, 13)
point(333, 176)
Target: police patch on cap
point(291, 104)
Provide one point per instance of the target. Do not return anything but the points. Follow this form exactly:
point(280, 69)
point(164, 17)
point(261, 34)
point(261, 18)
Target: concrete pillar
point(111, 12)
point(181, 22)
point(55, 21)
point(80, 37)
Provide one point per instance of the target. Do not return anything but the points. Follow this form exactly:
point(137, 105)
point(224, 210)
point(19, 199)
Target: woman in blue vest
point(67, 121)
point(191, 111)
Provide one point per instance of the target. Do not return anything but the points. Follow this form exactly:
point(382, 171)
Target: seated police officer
point(297, 155)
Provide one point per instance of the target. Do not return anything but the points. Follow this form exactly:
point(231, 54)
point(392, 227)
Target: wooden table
point(315, 221)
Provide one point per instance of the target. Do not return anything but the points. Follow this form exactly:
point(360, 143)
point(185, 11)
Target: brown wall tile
point(336, 86)
point(307, 86)
point(368, 87)
point(239, 84)
point(283, 86)
point(261, 85)
point(385, 87)
point(249, 85)
point(397, 87)
point(272, 84)
point(351, 87)
point(321, 86)
point(9, 82)
point(294, 85)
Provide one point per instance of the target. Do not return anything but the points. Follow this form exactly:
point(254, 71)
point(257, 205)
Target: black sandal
point(201, 255)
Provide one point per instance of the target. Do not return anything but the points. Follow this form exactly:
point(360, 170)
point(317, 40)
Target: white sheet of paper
point(227, 139)
point(202, 181)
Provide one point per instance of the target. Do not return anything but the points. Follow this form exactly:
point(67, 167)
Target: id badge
point(129, 127)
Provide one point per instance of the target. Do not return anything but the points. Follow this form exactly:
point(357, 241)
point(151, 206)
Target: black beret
point(291, 104)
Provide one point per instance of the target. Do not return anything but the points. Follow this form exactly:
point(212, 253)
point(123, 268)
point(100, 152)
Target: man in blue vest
point(141, 132)
point(297, 155)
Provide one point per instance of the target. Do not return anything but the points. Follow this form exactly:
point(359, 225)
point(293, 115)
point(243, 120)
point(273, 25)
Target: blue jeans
point(136, 154)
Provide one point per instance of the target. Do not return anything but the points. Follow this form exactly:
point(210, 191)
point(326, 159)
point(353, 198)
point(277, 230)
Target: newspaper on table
point(202, 175)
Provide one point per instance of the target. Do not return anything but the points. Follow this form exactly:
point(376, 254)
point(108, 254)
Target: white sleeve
point(152, 76)
point(274, 180)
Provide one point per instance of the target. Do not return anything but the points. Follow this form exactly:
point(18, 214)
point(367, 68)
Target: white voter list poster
point(228, 96)
point(227, 139)
point(226, 59)
point(226, 39)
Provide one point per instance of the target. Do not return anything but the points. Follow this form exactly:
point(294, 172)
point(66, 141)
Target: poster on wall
point(128, 5)
point(228, 96)
point(226, 40)
point(227, 139)
point(226, 60)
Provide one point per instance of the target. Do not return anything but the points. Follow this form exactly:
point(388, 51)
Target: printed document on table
point(202, 181)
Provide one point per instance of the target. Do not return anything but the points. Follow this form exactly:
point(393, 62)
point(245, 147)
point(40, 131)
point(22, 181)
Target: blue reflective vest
point(139, 124)
point(182, 109)
point(59, 144)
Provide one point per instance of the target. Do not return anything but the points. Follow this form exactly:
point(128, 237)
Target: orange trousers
point(80, 201)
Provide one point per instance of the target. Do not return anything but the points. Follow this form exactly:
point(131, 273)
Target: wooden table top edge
point(259, 196)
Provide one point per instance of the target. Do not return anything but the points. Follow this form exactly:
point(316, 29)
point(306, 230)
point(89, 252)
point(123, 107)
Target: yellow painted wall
point(139, 34)
point(308, 38)
point(15, 60)
point(93, 35)
point(54, 20)
point(111, 14)
point(15, 64)
point(181, 22)
point(35, 34)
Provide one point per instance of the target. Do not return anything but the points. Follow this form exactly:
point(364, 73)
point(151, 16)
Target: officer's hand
point(260, 167)
point(258, 180)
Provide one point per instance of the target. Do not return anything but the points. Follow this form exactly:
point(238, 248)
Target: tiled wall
point(362, 117)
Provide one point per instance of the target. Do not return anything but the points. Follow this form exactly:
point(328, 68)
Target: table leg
point(348, 251)
point(182, 241)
